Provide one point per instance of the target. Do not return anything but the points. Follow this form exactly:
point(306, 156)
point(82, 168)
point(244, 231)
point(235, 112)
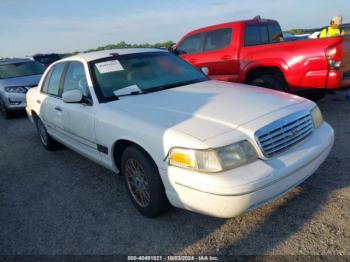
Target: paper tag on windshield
point(126, 90)
point(109, 67)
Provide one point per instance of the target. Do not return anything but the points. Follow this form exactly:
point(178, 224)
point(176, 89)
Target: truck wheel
point(316, 95)
point(274, 82)
point(143, 182)
point(4, 111)
point(45, 138)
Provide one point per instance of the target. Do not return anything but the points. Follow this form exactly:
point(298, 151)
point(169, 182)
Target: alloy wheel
point(137, 182)
point(42, 132)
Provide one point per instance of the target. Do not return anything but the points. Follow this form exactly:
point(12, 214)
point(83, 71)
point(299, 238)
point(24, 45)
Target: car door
point(51, 102)
point(190, 49)
point(78, 118)
point(219, 56)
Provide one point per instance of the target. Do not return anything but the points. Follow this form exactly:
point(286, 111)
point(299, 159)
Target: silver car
point(16, 77)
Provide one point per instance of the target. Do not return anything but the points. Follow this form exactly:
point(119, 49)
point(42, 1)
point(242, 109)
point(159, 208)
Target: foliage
point(297, 31)
point(123, 44)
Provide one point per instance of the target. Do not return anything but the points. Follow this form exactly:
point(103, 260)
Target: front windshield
point(141, 73)
point(21, 69)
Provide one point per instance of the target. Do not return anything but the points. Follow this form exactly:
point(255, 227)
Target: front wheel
point(143, 182)
point(45, 138)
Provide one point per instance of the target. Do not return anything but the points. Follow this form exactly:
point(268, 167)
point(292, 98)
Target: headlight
point(15, 89)
point(213, 160)
point(316, 117)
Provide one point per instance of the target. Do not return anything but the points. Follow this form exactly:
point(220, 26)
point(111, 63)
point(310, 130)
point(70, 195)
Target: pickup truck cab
point(176, 136)
point(254, 52)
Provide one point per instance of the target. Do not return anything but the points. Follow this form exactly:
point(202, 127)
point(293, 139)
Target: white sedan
point(177, 137)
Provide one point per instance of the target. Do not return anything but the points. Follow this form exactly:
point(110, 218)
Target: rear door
point(51, 102)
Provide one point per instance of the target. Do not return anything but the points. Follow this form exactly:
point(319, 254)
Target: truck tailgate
point(346, 61)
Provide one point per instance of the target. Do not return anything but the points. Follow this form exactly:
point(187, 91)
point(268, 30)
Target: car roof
point(108, 53)
point(14, 61)
point(231, 24)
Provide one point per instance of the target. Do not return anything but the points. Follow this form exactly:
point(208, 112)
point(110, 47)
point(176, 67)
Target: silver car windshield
point(21, 69)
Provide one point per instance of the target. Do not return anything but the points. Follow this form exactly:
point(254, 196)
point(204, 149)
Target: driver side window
point(76, 79)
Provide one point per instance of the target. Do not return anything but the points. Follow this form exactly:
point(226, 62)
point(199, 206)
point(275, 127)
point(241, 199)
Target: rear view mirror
point(72, 96)
point(205, 70)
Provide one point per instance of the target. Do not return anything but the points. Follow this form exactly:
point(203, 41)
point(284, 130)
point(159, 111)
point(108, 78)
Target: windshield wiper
point(160, 88)
point(133, 93)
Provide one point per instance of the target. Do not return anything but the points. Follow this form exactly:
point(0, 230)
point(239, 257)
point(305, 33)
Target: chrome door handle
point(58, 109)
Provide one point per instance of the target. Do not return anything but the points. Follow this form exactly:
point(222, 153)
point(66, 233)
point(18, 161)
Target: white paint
point(200, 116)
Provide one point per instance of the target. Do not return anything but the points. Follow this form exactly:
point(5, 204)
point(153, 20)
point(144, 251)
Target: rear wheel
point(143, 182)
point(316, 95)
point(4, 111)
point(273, 81)
point(45, 138)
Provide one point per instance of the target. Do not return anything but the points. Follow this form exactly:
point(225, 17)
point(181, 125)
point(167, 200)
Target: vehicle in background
point(208, 146)
point(46, 59)
point(254, 52)
point(289, 37)
point(17, 76)
point(315, 35)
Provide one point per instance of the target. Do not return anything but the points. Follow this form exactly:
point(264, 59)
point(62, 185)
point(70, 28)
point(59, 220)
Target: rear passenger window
point(190, 45)
point(46, 82)
point(218, 39)
point(256, 35)
point(275, 33)
point(54, 82)
point(76, 79)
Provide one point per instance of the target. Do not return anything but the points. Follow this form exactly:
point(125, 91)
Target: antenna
point(258, 17)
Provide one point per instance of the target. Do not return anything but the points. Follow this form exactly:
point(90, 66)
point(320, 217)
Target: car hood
point(206, 109)
point(32, 80)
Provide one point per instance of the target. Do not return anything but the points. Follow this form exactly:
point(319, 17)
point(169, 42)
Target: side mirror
point(72, 96)
point(205, 70)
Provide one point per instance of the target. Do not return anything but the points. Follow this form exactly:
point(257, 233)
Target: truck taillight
point(333, 56)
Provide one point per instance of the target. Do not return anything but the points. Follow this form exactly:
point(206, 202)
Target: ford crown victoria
point(178, 138)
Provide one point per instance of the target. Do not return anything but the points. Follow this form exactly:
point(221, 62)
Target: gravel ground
point(61, 203)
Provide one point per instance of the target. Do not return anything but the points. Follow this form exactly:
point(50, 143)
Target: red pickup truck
point(254, 52)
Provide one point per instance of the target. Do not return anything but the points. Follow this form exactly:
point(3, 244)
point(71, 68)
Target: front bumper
point(14, 101)
point(236, 191)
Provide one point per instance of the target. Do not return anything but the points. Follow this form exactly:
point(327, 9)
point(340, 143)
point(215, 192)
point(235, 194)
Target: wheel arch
point(119, 147)
point(264, 70)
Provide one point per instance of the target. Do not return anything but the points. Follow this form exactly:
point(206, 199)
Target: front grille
point(284, 133)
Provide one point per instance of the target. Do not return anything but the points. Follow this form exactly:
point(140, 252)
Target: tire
point(316, 95)
point(275, 82)
point(5, 113)
point(143, 182)
point(45, 138)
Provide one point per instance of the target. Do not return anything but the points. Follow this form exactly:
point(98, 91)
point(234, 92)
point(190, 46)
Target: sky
point(40, 26)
